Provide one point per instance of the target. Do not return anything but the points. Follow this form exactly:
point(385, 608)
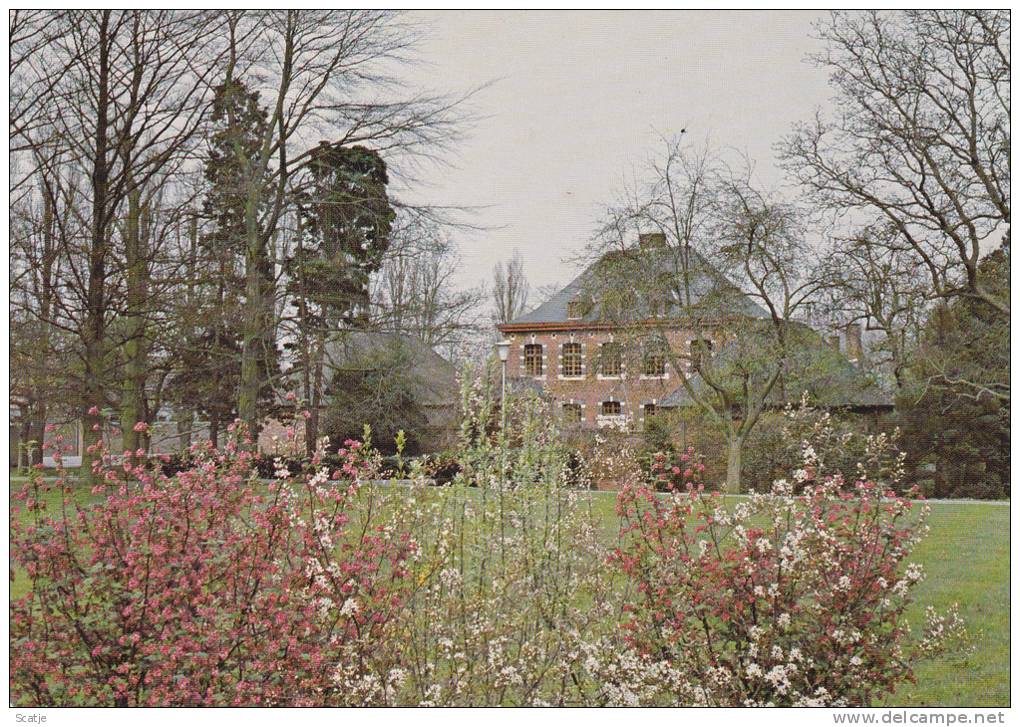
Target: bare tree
point(126, 92)
point(42, 350)
point(919, 138)
point(874, 281)
point(417, 293)
point(510, 289)
point(726, 266)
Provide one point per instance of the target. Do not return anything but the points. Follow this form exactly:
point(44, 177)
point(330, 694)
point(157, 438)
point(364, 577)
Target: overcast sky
point(579, 100)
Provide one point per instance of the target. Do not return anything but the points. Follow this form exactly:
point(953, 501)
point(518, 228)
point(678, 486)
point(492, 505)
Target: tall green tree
point(209, 366)
point(323, 73)
point(345, 221)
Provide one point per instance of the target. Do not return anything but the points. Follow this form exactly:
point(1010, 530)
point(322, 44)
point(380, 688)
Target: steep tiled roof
point(705, 280)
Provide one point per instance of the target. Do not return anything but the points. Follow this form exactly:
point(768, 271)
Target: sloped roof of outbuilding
point(434, 377)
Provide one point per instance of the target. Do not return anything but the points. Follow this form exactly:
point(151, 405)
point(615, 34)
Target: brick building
point(599, 371)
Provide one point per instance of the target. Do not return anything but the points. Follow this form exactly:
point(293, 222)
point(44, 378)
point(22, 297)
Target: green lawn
point(966, 557)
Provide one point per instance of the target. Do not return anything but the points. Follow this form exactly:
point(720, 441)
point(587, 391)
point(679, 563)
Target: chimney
point(650, 240)
point(854, 349)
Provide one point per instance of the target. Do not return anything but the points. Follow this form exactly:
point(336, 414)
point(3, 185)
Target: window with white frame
point(533, 359)
point(653, 362)
point(571, 363)
point(611, 359)
point(611, 408)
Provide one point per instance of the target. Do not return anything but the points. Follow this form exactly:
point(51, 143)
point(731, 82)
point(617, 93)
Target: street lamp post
point(503, 349)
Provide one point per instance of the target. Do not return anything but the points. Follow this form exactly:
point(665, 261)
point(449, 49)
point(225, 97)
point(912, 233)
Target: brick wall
point(632, 389)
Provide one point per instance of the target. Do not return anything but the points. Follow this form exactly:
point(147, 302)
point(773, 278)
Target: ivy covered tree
point(345, 218)
point(956, 413)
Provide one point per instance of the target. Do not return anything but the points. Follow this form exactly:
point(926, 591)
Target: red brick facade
point(633, 389)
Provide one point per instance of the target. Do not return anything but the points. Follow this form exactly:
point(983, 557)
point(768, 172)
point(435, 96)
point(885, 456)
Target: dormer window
point(701, 352)
point(575, 310)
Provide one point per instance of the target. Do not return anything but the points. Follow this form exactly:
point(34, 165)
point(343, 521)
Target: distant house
point(571, 347)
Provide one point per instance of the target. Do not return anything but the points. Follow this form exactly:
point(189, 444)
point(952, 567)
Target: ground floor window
point(572, 413)
point(611, 408)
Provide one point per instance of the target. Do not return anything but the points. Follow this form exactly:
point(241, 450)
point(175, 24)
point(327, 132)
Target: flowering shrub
point(840, 444)
point(516, 606)
point(214, 587)
point(604, 459)
point(668, 472)
point(781, 600)
point(208, 588)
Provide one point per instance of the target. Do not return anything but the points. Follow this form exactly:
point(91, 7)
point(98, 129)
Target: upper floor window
point(572, 363)
point(701, 352)
point(611, 408)
point(533, 359)
point(654, 360)
point(657, 305)
point(572, 413)
point(611, 359)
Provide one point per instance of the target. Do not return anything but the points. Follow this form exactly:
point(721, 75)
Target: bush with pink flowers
point(669, 471)
point(207, 588)
point(780, 600)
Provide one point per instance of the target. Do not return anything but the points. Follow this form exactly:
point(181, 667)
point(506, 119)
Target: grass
point(966, 557)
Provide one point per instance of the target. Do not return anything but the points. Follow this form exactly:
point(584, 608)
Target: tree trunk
point(94, 330)
point(735, 447)
point(185, 426)
point(255, 323)
point(214, 430)
point(312, 423)
point(133, 386)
